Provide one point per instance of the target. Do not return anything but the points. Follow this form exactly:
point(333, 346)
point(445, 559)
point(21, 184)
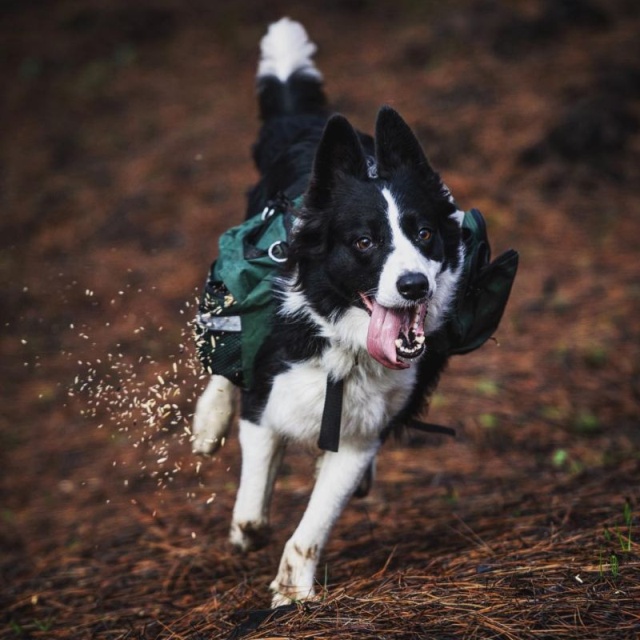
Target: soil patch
point(126, 151)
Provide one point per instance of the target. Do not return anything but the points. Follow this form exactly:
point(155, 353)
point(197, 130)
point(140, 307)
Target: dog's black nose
point(413, 286)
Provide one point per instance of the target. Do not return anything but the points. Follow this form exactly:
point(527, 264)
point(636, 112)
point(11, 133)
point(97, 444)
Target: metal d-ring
point(278, 245)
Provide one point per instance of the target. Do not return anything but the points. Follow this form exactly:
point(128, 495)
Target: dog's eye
point(424, 234)
point(363, 244)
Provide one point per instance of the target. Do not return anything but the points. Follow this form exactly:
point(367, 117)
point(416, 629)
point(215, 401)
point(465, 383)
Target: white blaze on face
point(404, 258)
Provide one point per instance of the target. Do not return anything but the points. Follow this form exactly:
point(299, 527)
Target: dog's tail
point(288, 82)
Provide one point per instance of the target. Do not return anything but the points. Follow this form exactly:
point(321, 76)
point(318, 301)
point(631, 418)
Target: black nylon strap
point(429, 427)
point(329, 438)
point(331, 415)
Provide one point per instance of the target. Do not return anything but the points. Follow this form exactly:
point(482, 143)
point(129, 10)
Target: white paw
point(295, 579)
point(249, 536)
point(284, 595)
point(213, 416)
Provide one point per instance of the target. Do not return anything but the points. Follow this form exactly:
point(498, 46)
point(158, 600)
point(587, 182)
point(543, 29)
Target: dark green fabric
point(246, 269)
point(483, 292)
point(239, 284)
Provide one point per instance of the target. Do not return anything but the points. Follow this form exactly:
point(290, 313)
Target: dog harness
point(237, 306)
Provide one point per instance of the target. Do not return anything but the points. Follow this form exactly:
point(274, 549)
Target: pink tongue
point(384, 328)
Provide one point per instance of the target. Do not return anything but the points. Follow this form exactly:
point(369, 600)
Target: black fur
point(302, 149)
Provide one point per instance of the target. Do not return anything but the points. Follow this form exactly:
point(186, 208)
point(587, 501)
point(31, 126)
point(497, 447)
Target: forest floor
point(125, 152)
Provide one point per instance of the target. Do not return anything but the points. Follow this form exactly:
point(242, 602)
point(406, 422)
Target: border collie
point(375, 258)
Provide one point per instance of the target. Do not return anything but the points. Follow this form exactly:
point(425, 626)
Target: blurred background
point(125, 152)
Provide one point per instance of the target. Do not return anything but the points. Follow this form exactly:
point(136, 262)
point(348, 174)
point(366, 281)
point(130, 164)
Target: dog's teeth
point(420, 339)
point(399, 343)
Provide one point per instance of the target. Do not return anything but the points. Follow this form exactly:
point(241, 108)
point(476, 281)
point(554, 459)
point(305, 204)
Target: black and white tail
point(288, 81)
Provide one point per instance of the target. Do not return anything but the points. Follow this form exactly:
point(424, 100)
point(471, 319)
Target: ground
point(125, 152)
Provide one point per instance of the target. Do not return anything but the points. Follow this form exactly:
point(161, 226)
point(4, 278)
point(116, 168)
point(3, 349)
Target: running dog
point(375, 259)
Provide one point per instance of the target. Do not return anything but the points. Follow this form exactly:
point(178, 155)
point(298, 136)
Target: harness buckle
point(267, 212)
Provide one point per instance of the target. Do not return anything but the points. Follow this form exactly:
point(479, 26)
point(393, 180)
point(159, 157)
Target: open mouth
point(396, 334)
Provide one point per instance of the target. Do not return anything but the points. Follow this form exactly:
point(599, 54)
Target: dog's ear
point(339, 153)
point(396, 145)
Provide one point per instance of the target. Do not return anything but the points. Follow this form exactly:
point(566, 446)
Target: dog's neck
point(346, 335)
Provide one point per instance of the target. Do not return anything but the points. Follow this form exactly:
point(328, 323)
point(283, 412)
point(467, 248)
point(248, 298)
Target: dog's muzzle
point(395, 334)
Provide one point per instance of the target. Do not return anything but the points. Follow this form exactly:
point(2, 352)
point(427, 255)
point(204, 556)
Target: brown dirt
point(125, 152)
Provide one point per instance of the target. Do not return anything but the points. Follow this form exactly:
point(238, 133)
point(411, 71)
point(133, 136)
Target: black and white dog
point(375, 260)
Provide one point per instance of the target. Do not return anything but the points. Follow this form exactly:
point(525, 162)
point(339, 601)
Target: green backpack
point(237, 306)
point(483, 291)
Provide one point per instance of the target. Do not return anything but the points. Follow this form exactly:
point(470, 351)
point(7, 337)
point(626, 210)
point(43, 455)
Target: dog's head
point(380, 235)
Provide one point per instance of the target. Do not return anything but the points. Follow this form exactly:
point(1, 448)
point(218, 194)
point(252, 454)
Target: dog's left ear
point(339, 154)
point(396, 145)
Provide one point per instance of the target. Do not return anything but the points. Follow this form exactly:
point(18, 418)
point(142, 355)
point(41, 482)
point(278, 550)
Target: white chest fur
point(372, 396)
point(372, 393)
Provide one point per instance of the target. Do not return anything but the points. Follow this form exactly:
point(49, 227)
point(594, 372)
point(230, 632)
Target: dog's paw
point(284, 595)
point(249, 536)
point(295, 579)
point(213, 416)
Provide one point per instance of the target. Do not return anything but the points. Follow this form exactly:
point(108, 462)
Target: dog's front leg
point(213, 415)
point(262, 451)
point(338, 478)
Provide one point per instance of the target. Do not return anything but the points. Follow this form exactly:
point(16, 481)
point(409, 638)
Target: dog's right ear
point(339, 154)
